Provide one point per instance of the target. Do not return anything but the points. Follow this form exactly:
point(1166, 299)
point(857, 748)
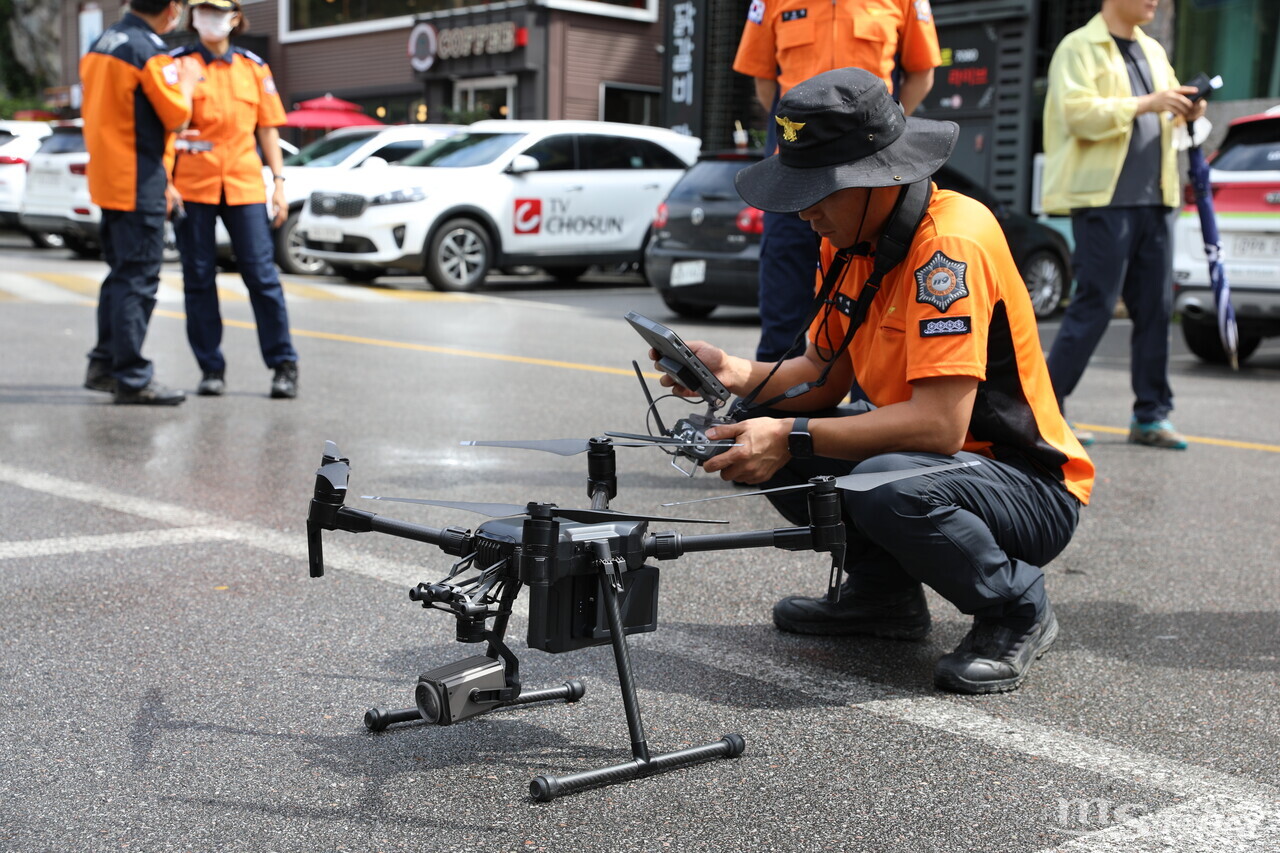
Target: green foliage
point(14, 79)
point(9, 106)
point(459, 116)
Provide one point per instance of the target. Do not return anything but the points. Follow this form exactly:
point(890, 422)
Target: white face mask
point(211, 24)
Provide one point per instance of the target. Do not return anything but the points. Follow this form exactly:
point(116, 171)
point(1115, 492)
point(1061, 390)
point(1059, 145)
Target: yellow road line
point(404, 345)
point(309, 291)
point(1191, 439)
point(82, 284)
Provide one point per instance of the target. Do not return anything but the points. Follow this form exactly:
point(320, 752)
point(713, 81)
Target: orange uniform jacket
point(237, 96)
point(131, 104)
point(793, 40)
point(956, 306)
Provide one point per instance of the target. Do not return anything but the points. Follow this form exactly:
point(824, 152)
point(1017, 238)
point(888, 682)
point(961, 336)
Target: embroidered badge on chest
point(940, 282)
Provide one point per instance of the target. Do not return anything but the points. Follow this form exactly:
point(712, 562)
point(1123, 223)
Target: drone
point(590, 582)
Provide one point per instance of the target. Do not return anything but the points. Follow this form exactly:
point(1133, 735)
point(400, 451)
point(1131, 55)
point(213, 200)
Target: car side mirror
point(374, 162)
point(523, 163)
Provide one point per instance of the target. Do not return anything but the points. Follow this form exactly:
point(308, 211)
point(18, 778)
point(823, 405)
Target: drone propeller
point(586, 516)
point(335, 472)
point(849, 482)
point(574, 446)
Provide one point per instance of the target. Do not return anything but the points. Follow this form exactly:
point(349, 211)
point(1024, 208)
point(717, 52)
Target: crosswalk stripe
point(31, 288)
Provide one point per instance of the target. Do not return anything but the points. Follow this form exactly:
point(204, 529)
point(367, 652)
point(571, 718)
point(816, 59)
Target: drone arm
point(451, 540)
point(668, 546)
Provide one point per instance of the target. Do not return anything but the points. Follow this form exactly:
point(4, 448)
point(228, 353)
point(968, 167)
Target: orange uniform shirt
point(793, 40)
point(237, 96)
point(131, 103)
point(956, 306)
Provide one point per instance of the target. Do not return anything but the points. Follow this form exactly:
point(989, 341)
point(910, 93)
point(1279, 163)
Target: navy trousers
point(251, 241)
point(788, 264)
point(977, 536)
point(133, 247)
point(1123, 252)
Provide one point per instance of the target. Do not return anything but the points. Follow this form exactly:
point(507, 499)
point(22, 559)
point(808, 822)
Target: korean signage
point(682, 74)
point(965, 82)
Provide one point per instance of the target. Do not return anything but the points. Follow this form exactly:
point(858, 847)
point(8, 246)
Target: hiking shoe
point(98, 377)
point(152, 394)
point(899, 617)
point(1156, 434)
point(994, 658)
point(284, 385)
point(212, 384)
point(1083, 436)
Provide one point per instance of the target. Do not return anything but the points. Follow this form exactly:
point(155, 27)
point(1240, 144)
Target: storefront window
point(1239, 39)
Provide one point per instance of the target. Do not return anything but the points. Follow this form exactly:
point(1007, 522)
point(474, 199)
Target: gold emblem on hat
point(789, 127)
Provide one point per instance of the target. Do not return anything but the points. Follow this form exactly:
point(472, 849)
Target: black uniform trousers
point(977, 536)
point(133, 247)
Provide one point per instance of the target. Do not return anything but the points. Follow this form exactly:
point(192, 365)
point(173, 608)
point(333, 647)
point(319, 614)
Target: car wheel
point(1203, 340)
point(361, 275)
point(566, 275)
point(46, 240)
point(688, 309)
point(1045, 274)
point(291, 250)
point(458, 256)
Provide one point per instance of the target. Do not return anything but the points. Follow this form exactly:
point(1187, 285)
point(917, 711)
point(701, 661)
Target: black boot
point(994, 658)
point(284, 384)
point(98, 377)
point(904, 616)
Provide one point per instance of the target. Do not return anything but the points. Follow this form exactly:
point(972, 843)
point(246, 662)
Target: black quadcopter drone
point(590, 583)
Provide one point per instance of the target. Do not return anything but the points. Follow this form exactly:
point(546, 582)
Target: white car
point(1244, 176)
point(315, 166)
point(18, 141)
point(560, 195)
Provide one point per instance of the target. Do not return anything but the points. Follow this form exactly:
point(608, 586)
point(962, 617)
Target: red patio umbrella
point(328, 102)
point(312, 119)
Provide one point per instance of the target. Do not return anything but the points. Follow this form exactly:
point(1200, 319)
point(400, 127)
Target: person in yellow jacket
point(218, 173)
point(1109, 116)
point(135, 97)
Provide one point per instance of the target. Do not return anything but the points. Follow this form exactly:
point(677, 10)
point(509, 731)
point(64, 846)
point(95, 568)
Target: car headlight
point(400, 196)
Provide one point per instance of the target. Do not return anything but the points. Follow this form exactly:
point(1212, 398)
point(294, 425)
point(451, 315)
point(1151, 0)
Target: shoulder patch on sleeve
point(945, 326)
point(924, 12)
point(755, 14)
point(941, 281)
point(269, 86)
point(170, 72)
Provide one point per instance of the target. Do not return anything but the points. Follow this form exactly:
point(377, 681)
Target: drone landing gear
point(547, 788)
point(376, 719)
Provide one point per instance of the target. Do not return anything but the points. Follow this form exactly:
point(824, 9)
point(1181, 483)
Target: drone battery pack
point(570, 613)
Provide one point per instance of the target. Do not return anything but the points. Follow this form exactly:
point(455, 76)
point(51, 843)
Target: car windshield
point(329, 151)
point(6, 137)
point(1252, 147)
point(709, 180)
point(465, 149)
point(63, 141)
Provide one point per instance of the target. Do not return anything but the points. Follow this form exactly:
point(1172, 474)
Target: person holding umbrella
point(1110, 162)
point(218, 173)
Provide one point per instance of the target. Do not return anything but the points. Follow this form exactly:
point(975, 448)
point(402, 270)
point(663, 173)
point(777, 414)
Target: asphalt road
point(173, 680)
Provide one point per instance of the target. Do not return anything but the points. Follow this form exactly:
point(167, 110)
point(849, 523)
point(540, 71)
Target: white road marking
point(1223, 812)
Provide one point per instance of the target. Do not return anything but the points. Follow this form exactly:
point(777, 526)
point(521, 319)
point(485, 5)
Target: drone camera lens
point(429, 700)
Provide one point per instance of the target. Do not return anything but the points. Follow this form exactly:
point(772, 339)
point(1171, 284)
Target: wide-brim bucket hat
point(841, 129)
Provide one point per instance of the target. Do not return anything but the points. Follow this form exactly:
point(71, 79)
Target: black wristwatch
point(800, 442)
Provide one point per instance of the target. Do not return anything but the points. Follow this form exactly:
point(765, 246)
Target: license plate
point(1255, 246)
point(321, 234)
point(688, 272)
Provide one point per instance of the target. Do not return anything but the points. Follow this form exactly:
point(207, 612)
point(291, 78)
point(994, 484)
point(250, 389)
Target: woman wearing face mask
point(218, 173)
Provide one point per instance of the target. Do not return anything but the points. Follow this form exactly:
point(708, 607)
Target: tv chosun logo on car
point(528, 215)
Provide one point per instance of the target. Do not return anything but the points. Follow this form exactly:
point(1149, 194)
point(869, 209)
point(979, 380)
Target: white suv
point(315, 166)
point(561, 195)
point(18, 141)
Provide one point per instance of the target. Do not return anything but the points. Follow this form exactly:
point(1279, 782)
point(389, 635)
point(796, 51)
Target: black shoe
point(993, 658)
point(153, 394)
point(98, 377)
point(900, 617)
point(285, 383)
point(211, 384)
